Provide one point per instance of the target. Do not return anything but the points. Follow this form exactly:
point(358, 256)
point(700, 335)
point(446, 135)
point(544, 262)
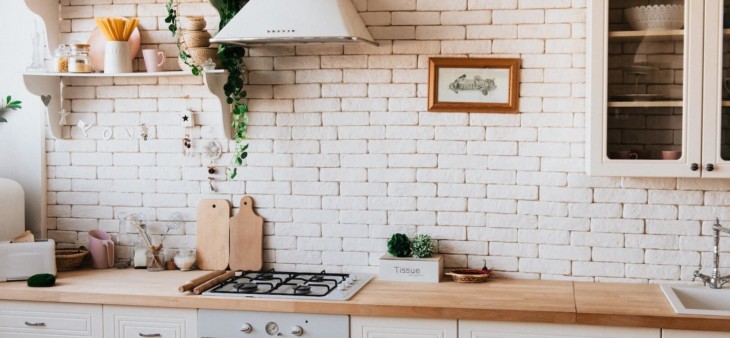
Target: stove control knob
point(297, 330)
point(246, 328)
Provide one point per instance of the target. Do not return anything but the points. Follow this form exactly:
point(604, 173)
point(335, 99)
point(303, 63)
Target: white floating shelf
point(659, 35)
point(49, 85)
point(135, 74)
point(644, 104)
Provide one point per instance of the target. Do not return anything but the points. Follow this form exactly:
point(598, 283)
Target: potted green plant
point(411, 260)
point(6, 105)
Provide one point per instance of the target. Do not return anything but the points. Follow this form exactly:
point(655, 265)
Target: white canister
point(116, 57)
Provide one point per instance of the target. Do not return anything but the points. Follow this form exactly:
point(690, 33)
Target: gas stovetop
point(281, 284)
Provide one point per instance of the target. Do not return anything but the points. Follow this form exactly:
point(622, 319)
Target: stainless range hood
point(276, 22)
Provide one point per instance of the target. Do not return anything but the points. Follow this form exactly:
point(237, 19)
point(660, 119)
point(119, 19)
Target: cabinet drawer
point(140, 322)
point(37, 319)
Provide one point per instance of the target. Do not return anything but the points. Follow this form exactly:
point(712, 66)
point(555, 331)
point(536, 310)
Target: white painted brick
point(622, 226)
point(543, 236)
point(598, 269)
point(363, 189)
point(346, 119)
point(542, 208)
point(511, 221)
point(492, 234)
point(512, 192)
point(651, 241)
point(493, 205)
point(619, 255)
point(660, 227)
point(412, 189)
point(650, 211)
point(652, 271)
point(667, 257)
point(539, 265)
point(392, 203)
point(564, 252)
point(596, 239)
point(442, 204)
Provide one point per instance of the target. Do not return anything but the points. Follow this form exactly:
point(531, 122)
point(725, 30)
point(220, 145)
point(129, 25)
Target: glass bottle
point(60, 59)
point(79, 61)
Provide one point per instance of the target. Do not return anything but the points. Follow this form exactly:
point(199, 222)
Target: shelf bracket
point(48, 90)
point(215, 82)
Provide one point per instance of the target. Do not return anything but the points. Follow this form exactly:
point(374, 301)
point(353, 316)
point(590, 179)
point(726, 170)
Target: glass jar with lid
point(60, 59)
point(79, 61)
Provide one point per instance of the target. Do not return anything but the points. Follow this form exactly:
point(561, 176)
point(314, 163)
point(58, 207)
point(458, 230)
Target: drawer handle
point(150, 335)
point(37, 324)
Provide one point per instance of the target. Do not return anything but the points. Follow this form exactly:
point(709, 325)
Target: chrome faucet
point(715, 281)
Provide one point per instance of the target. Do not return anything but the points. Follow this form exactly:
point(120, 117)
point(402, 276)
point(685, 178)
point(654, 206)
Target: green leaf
point(8, 99)
point(3, 120)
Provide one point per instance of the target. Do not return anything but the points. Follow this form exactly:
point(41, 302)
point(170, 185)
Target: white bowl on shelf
point(655, 17)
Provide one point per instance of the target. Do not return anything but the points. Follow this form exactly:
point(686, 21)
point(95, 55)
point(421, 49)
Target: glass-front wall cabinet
point(645, 98)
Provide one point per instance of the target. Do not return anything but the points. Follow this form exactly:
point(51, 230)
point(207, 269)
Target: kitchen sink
point(698, 300)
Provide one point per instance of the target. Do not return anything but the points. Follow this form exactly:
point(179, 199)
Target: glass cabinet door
point(716, 107)
point(650, 116)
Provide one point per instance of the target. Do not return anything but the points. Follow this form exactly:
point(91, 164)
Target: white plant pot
point(116, 57)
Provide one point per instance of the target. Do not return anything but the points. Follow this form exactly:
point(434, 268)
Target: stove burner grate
point(282, 283)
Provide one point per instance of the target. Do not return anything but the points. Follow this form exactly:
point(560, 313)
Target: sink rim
point(679, 307)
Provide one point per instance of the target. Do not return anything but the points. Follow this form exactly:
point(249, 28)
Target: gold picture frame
point(484, 85)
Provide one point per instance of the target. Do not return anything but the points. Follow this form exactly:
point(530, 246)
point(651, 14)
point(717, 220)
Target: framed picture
point(485, 85)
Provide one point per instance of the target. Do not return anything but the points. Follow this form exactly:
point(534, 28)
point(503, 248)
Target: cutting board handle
point(247, 205)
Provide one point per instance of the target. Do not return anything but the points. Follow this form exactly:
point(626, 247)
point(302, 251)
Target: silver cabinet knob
point(246, 328)
point(297, 330)
point(150, 335)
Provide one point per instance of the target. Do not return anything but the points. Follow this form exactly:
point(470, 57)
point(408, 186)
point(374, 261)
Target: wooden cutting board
point(212, 234)
point(247, 238)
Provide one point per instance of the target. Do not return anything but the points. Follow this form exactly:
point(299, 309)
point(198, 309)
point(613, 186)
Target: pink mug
point(101, 248)
point(153, 60)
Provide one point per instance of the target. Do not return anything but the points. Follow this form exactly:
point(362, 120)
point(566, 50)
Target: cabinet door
point(644, 113)
point(693, 334)
point(136, 322)
point(377, 327)
point(484, 329)
point(36, 319)
point(716, 105)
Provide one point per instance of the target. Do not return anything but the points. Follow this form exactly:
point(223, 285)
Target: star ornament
point(63, 114)
point(185, 118)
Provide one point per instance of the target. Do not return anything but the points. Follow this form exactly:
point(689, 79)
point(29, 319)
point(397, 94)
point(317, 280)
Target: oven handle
point(149, 335)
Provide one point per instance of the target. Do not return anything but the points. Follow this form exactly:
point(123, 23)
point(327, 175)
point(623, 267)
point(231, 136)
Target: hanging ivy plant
point(232, 60)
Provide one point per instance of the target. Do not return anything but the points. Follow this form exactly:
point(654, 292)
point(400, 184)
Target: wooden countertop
point(633, 305)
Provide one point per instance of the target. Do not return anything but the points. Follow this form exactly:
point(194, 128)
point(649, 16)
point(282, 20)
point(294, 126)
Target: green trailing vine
point(232, 60)
point(8, 104)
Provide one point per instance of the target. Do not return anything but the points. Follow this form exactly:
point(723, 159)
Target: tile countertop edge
point(562, 302)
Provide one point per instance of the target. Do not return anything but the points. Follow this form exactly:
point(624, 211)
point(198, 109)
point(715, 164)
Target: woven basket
point(192, 23)
point(193, 39)
point(70, 259)
point(469, 276)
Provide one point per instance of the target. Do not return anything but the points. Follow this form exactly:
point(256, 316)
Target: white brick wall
point(343, 153)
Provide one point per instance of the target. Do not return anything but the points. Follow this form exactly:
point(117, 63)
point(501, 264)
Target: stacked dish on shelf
point(655, 17)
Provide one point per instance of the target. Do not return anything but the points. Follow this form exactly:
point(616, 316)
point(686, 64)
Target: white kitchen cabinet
point(657, 105)
point(40, 319)
point(377, 327)
point(693, 334)
point(487, 329)
point(136, 322)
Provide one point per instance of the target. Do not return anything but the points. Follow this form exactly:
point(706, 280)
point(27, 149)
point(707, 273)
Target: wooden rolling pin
point(193, 283)
point(213, 282)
